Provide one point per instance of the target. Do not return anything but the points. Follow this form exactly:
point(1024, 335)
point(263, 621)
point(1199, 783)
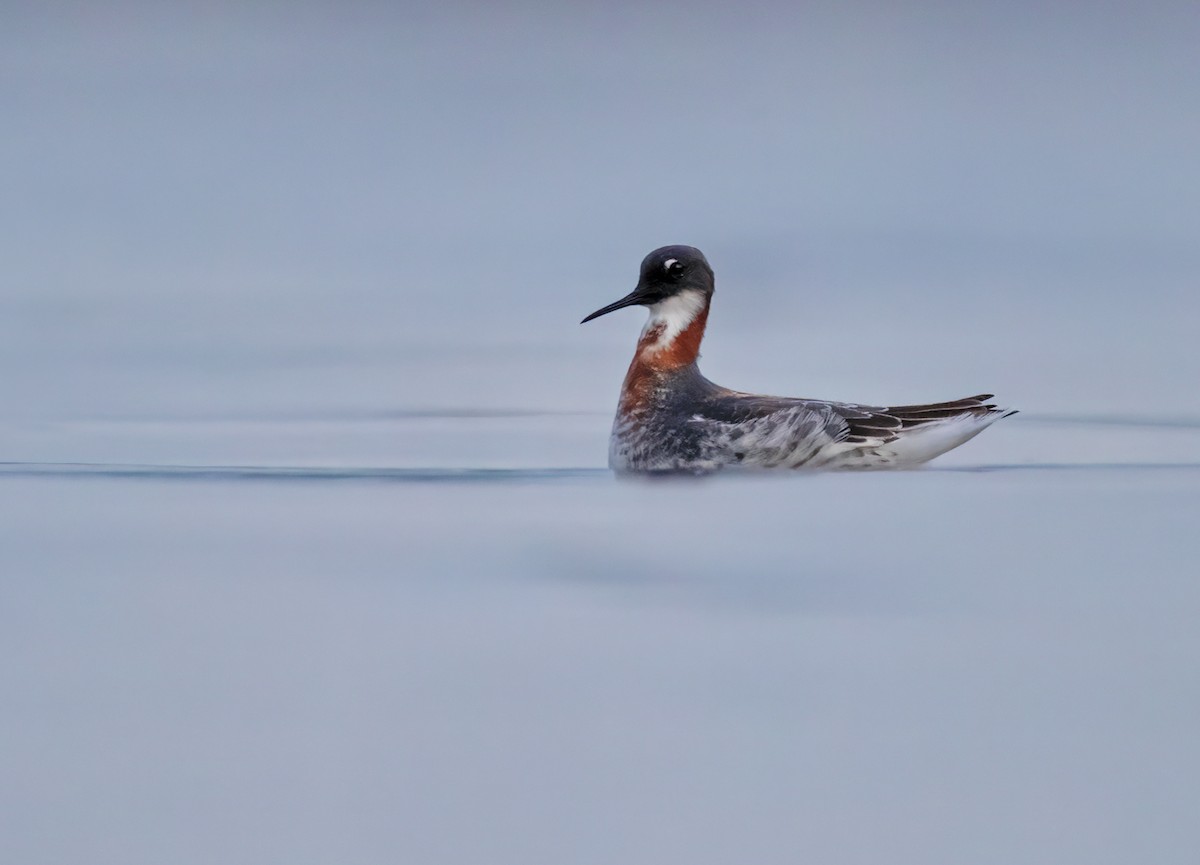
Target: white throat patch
point(674, 315)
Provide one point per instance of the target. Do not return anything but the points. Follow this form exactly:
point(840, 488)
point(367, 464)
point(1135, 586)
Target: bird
point(671, 419)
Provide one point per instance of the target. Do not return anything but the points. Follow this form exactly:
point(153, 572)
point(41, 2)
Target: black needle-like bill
point(640, 296)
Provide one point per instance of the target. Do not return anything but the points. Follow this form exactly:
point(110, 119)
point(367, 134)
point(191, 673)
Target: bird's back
point(695, 425)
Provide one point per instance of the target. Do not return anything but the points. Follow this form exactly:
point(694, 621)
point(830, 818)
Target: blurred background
point(342, 249)
point(312, 207)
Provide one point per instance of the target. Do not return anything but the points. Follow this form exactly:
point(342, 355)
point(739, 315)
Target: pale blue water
point(991, 660)
point(307, 549)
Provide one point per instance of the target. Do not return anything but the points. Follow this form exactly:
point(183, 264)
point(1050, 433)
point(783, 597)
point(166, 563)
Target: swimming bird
point(670, 418)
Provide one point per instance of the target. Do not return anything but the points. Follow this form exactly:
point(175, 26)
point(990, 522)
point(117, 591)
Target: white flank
point(925, 442)
point(674, 315)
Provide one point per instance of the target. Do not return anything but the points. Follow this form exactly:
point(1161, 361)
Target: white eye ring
point(667, 264)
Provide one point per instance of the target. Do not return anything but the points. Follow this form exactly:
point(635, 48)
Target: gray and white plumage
point(672, 419)
point(694, 425)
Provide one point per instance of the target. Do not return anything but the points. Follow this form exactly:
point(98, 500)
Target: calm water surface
point(307, 552)
point(308, 661)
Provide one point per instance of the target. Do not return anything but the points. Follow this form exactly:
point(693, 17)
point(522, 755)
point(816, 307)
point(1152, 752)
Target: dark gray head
point(665, 272)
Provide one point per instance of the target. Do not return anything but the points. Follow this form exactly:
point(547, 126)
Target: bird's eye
point(673, 268)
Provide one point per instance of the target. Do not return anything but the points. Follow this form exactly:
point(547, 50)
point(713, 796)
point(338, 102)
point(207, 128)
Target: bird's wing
point(774, 431)
point(768, 431)
point(886, 424)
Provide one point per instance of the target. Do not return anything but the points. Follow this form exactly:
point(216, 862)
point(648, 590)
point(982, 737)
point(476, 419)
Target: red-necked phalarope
point(670, 418)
